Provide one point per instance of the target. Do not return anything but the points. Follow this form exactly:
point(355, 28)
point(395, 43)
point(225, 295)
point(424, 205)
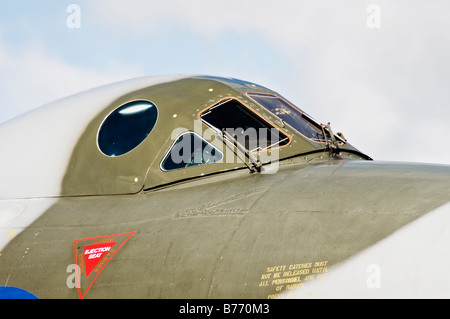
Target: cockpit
point(149, 133)
point(194, 127)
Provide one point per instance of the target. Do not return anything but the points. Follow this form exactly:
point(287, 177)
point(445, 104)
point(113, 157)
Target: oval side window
point(126, 127)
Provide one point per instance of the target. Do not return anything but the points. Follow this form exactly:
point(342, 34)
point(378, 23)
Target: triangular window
point(190, 149)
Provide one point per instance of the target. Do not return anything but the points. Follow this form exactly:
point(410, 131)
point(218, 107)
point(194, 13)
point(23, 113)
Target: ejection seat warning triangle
point(93, 254)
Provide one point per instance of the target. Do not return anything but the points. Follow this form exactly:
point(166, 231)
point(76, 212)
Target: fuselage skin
point(238, 235)
point(320, 220)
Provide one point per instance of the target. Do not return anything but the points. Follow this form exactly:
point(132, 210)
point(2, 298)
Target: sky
point(378, 71)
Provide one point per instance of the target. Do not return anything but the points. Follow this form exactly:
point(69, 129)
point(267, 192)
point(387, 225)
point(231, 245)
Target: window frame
point(254, 113)
point(308, 118)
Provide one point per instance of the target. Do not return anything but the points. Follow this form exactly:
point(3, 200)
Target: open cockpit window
point(292, 116)
point(189, 150)
point(234, 120)
point(126, 127)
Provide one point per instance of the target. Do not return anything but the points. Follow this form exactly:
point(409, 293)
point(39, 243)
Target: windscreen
point(244, 125)
point(291, 115)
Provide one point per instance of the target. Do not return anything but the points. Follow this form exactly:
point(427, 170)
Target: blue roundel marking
point(15, 293)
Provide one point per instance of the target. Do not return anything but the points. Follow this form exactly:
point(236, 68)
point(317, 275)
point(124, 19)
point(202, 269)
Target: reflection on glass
point(190, 150)
point(292, 116)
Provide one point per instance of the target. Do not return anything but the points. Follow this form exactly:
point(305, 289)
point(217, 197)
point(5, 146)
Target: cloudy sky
point(379, 71)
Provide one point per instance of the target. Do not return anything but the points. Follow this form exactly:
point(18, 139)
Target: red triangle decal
point(93, 254)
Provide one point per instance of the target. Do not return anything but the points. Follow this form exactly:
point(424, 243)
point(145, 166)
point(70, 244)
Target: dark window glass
point(246, 127)
point(190, 150)
point(126, 127)
point(292, 116)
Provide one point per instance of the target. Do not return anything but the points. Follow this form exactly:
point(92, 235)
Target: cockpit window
point(233, 119)
point(292, 116)
point(126, 127)
point(189, 150)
